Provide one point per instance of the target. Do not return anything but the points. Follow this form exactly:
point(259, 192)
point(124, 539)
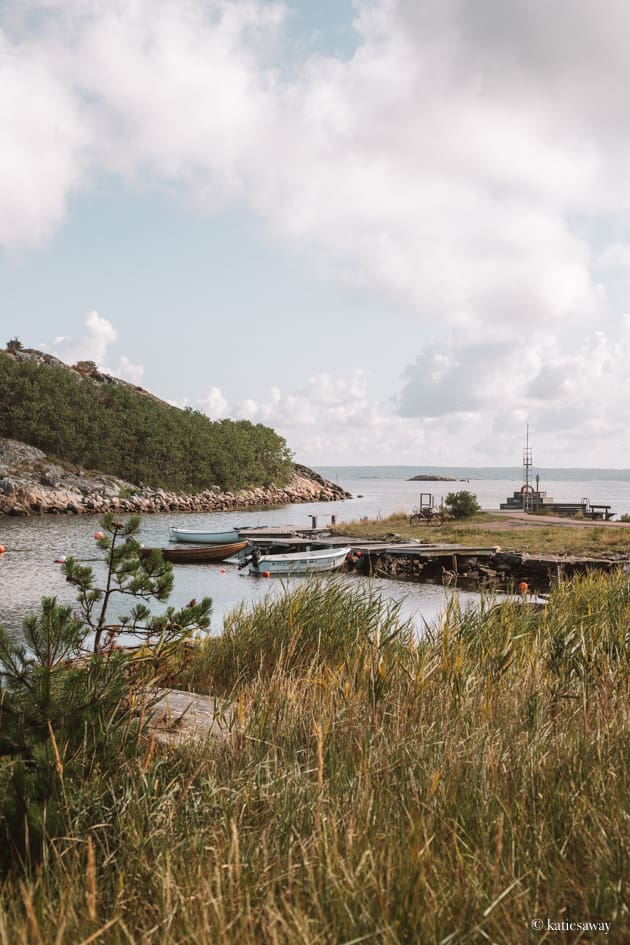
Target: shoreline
point(32, 484)
point(536, 550)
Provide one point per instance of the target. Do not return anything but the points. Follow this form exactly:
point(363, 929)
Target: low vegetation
point(375, 786)
point(122, 431)
point(488, 528)
point(462, 504)
point(64, 716)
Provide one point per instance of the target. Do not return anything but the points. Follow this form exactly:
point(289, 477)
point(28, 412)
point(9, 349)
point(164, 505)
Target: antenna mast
point(527, 469)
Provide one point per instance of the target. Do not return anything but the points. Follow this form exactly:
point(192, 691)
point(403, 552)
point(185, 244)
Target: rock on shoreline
point(30, 484)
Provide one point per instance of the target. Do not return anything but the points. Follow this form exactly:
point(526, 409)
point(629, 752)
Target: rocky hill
point(32, 484)
point(74, 439)
point(90, 420)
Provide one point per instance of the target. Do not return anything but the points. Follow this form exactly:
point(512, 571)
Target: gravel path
point(508, 521)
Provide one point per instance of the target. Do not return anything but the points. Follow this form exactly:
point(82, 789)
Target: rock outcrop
point(30, 484)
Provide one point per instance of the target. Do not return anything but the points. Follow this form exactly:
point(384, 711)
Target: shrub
point(462, 504)
point(86, 367)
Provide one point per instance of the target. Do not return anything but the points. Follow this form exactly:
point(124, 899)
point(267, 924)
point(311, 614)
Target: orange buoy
point(523, 587)
point(1, 549)
point(222, 570)
point(98, 535)
point(266, 574)
point(60, 560)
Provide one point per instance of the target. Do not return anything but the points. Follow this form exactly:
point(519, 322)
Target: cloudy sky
point(397, 231)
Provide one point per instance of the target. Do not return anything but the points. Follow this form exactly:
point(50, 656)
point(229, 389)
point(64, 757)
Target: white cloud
point(128, 371)
point(93, 346)
point(574, 400)
point(434, 166)
point(42, 143)
point(468, 162)
point(213, 404)
point(332, 417)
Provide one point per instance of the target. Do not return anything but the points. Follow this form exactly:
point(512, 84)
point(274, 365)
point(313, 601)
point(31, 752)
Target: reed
point(306, 626)
point(380, 787)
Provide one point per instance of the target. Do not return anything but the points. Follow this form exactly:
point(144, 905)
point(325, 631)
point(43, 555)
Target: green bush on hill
point(129, 434)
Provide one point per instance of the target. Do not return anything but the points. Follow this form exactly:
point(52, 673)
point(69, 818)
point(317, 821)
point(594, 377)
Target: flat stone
point(178, 716)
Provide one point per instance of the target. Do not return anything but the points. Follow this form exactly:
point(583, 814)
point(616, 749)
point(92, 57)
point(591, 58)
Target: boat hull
point(197, 536)
point(198, 555)
point(301, 562)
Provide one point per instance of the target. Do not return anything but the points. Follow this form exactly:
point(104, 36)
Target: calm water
point(28, 570)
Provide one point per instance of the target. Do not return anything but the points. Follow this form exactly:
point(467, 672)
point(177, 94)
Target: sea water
point(28, 570)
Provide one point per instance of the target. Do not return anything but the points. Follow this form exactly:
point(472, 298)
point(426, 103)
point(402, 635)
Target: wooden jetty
point(298, 539)
point(388, 558)
point(421, 560)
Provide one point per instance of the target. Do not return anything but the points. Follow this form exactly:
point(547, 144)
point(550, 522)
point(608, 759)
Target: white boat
point(299, 562)
point(198, 536)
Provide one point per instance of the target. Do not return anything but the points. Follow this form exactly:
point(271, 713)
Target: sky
point(396, 231)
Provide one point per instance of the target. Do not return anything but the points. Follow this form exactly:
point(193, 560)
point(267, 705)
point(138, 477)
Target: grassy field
point(487, 528)
point(374, 787)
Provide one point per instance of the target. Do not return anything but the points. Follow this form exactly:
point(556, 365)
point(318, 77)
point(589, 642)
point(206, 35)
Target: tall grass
point(316, 624)
point(375, 787)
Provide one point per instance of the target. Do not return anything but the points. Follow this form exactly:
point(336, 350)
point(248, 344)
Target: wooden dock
point(286, 539)
point(420, 560)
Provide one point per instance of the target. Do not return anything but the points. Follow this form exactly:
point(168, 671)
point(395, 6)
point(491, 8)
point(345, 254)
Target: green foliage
point(14, 344)
point(131, 576)
point(483, 784)
point(86, 367)
point(317, 624)
point(58, 717)
point(462, 504)
point(129, 434)
point(64, 716)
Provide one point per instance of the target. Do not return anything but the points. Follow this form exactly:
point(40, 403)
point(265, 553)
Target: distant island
point(431, 478)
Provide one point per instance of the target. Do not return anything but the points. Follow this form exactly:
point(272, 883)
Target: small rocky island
point(433, 477)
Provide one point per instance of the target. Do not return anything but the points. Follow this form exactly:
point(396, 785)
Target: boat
point(298, 562)
point(199, 554)
point(198, 536)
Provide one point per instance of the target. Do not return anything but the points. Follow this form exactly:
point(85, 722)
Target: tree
point(14, 345)
point(64, 713)
point(130, 575)
point(462, 504)
point(86, 367)
point(128, 434)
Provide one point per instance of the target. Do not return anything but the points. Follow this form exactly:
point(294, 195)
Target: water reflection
point(28, 570)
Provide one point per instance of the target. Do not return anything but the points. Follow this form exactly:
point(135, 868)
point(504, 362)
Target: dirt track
point(508, 521)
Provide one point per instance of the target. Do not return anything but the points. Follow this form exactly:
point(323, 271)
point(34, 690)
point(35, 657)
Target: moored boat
point(199, 554)
point(298, 562)
point(202, 537)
